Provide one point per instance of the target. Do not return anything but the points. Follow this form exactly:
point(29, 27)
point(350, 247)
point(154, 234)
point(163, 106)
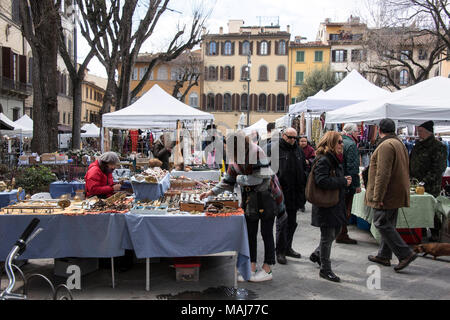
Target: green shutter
point(318, 56)
point(299, 78)
point(300, 56)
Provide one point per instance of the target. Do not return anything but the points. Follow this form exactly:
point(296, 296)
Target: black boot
point(281, 258)
point(291, 253)
point(329, 275)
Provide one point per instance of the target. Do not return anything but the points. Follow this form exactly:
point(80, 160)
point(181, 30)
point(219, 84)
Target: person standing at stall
point(162, 152)
point(329, 175)
point(387, 191)
point(308, 150)
point(262, 198)
point(292, 177)
point(99, 179)
point(351, 168)
point(428, 161)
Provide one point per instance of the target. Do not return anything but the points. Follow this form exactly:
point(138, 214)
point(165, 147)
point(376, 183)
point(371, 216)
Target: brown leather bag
point(320, 197)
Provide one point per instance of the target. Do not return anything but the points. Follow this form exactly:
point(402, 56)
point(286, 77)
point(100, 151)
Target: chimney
point(288, 29)
point(221, 30)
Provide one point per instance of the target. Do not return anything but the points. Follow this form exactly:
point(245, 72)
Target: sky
point(303, 17)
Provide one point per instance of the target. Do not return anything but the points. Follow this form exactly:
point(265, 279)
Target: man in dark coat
point(351, 168)
point(292, 177)
point(428, 161)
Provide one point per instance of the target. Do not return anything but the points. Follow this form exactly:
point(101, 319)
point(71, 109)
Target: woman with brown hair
point(329, 175)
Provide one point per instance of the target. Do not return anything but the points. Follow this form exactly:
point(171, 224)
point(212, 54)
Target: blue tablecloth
point(7, 198)
point(59, 188)
point(90, 236)
point(185, 236)
point(151, 191)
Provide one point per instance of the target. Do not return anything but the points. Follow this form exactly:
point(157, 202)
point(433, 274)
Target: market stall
point(213, 175)
point(420, 214)
point(59, 188)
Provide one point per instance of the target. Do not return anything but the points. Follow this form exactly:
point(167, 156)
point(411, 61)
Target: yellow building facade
point(227, 91)
point(303, 59)
point(92, 91)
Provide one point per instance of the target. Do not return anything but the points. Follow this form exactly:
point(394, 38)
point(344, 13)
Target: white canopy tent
point(27, 124)
point(156, 109)
point(260, 127)
point(18, 130)
point(92, 131)
point(427, 100)
point(354, 88)
point(299, 107)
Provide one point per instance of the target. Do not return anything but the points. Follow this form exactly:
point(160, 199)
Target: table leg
point(235, 271)
point(112, 273)
point(147, 281)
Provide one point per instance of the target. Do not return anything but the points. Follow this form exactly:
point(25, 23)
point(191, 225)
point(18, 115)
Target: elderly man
point(387, 191)
point(428, 161)
point(292, 177)
point(351, 168)
point(99, 179)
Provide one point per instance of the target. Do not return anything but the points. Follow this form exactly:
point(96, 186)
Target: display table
point(7, 198)
point(59, 188)
point(420, 214)
point(150, 191)
point(212, 175)
point(443, 206)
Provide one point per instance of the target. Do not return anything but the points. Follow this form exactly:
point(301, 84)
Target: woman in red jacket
point(99, 179)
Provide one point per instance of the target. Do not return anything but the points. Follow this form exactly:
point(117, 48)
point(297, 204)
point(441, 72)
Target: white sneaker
point(240, 278)
point(261, 276)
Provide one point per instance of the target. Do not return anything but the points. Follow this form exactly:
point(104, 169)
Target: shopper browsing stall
point(99, 179)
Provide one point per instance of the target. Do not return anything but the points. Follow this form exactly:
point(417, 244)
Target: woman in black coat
point(330, 220)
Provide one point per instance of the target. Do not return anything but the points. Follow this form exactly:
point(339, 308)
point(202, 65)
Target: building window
point(423, 54)
point(339, 55)
point(227, 102)
point(64, 117)
point(246, 48)
point(210, 102)
point(281, 73)
point(244, 73)
point(212, 48)
point(318, 56)
point(228, 48)
point(405, 54)
point(193, 100)
point(404, 78)
point(262, 102)
point(340, 75)
point(134, 76)
point(163, 73)
point(212, 74)
point(90, 95)
point(244, 102)
point(300, 56)
point(358, 55)
point(142, 72)
point(68, 118)
point(15, 114)
point(87, 92)
point(299, 78)
point(227, 73)
point(263, 73)
point(280, 103)
point(264, 48)
point(282, 47)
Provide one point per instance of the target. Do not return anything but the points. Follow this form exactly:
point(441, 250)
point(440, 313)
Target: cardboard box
point(189, 207)
point(48, 158)
point(187, 272)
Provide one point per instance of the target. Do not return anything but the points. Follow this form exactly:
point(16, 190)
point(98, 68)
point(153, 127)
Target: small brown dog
point(435, 249)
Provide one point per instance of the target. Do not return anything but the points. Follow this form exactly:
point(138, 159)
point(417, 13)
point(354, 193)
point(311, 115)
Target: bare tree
point(122, 41)
point(187, 74)
point(77, 73)
point(431, 16)
point(396, 49)
point(40, 19)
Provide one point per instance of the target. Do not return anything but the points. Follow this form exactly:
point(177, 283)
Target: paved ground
point(299, 279)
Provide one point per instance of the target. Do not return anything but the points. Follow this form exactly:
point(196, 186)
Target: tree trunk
point(76, 124)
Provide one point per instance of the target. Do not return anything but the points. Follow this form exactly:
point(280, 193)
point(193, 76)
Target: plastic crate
point(411, 236)
point(187, 272)
point(362, 224)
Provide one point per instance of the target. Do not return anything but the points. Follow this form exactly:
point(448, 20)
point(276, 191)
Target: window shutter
point(217, 74)
point(23, 69)
point(221, 74)
point(207, 48)
point(333, 56)
point(345, 55)
point(6, 58)
point(232, 73)
point(277, 51)
point(203, 102)
point(240, 48)
point(269, 44)
point(251, 47)
point(222, 48)
point(232, 48)
point(258, 48)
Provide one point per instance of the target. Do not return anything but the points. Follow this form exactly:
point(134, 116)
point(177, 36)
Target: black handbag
point(258, 204)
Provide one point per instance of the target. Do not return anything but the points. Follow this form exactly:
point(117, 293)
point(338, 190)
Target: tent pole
point(102, 139)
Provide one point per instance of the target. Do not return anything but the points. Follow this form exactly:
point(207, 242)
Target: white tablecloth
point(212, 175)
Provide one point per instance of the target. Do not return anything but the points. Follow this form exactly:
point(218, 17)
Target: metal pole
point(248, 85)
